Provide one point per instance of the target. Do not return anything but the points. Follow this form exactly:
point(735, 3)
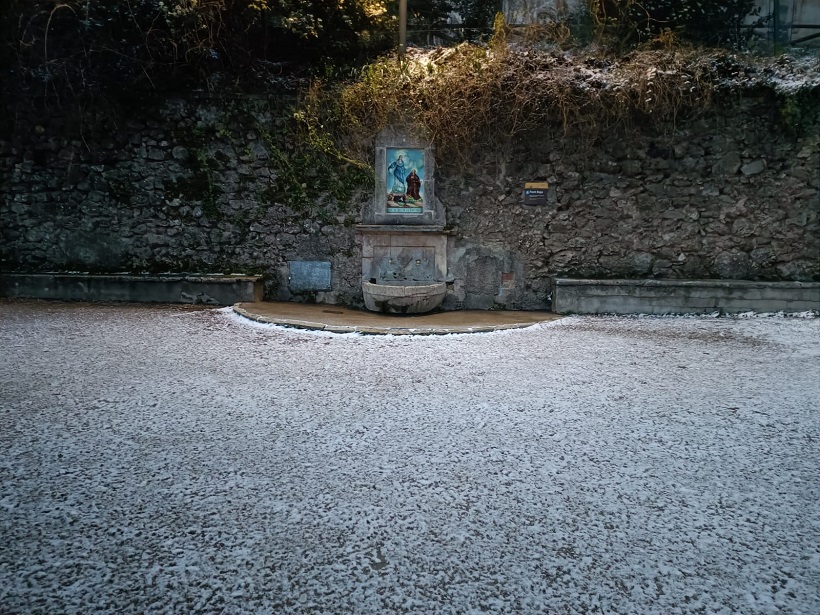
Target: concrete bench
point(211, 289)
point(682, 296)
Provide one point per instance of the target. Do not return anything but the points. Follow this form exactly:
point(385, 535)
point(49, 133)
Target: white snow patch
point(157, 460)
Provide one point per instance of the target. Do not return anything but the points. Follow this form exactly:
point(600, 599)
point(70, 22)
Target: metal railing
point(449, 33)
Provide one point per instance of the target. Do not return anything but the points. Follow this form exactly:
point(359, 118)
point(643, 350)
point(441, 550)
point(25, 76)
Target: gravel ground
point(171, 460)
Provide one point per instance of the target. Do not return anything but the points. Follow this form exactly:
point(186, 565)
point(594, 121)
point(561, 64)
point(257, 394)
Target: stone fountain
point(404, 246)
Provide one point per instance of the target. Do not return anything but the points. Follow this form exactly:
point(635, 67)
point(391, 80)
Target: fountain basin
point(403, 296)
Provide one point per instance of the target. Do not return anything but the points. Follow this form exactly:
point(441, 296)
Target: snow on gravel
point(170, 460)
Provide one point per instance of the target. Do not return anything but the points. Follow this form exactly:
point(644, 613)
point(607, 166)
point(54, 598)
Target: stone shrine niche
point(404, 246)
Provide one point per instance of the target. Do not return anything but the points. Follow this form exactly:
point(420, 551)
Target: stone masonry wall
point(182, 186)
point(728, 196)
point(195, 185)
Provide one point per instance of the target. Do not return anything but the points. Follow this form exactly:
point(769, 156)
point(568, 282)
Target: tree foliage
point(66, 47)
point(82, 44)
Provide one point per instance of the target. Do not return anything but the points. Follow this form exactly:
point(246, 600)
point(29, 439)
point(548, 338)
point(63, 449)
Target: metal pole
point(776, 22)
point(402, 28)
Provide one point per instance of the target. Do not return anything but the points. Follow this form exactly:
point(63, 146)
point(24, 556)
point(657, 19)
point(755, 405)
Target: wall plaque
point(309, 275)
point(535, 193)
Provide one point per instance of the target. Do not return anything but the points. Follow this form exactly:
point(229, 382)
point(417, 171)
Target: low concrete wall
point(208, 289)
point(682, 296)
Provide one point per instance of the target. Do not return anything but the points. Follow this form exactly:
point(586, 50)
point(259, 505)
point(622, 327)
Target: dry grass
point(471, 96)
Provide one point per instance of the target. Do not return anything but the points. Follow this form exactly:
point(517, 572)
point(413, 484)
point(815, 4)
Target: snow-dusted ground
point(167, 460)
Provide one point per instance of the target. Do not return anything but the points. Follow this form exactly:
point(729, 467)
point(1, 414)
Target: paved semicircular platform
point(336, 319)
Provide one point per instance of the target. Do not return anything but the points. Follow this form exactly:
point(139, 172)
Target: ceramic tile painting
point(405, 181)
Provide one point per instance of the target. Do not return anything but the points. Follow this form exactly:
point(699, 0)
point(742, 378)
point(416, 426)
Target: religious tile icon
point(405, 181)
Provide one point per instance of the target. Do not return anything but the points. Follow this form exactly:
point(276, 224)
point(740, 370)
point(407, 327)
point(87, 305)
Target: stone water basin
point(403, 296)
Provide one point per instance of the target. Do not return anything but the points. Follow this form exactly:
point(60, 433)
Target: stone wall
point(726, 196)
point(181, 186)
point(195, 185)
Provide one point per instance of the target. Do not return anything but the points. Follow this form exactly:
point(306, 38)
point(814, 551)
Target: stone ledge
point(343, 320)
point(393, 229)
point(682, 296)
point(210, 289)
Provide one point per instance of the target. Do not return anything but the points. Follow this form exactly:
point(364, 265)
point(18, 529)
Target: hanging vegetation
point(477, 96)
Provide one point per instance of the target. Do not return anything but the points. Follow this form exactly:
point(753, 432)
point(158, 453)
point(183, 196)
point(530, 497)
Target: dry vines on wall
point(471, 96)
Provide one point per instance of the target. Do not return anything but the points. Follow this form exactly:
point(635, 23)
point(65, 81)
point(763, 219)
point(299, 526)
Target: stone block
point(682, 296)
point(729, 164)
point(180, 153)
point(733, 265)
point(754, 167)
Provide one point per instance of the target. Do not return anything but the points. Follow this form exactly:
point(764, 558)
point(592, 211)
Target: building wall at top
point(790, 12)
point(799, 12)
point(538, 11)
